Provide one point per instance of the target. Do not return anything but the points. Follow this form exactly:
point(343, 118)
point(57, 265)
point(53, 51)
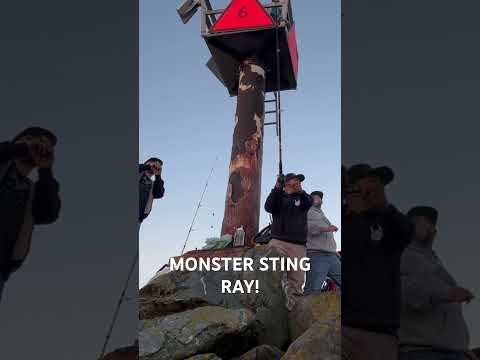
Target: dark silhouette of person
point(430, 297)
point(149, 189)
point(374, 235)
point(23, 203)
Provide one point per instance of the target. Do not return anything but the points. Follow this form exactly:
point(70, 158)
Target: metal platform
point(230, 48)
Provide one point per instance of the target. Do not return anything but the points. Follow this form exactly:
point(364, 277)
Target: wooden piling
point(242, 205)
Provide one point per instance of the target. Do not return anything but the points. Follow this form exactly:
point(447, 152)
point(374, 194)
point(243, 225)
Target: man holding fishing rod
point(289, 204)
point(374, 236)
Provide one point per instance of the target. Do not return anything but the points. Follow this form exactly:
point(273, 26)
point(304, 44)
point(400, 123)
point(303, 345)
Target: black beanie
point(427, 211)
point(318, 193)
point(37, 131)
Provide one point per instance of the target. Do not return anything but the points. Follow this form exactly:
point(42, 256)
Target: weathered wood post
point(242, 204)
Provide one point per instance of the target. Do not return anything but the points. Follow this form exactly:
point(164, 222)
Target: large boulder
point(204, 357)
point(313, 308)
point(209, 329)
point(262, 352)
point(125, 353)
point(178, 291)
point(321, 341)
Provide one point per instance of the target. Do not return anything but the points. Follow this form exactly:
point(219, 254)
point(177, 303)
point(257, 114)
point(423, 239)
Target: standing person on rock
point(321, 248)
point(374, 236)
point(432, 322)
point(289, 204)
point(23, 203)
point(149, 189)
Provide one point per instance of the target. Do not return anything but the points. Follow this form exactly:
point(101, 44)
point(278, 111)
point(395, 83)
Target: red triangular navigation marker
point(242, 15)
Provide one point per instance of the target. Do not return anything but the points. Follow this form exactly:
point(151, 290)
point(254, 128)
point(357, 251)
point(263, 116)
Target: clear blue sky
point(186, 119)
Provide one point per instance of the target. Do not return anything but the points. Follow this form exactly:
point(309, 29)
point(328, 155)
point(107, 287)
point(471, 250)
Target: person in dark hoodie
point(150, 190)
point(289, 204)
point(374, 236)
point(24, 204)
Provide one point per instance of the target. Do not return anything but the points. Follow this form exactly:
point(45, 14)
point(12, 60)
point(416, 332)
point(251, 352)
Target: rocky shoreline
point(183, 315)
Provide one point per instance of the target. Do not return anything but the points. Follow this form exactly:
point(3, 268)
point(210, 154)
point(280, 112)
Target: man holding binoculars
point(149, 189)
point(23, 203)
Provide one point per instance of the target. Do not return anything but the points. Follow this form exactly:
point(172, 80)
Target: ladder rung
point(270, 101)
point(270, 123)
point(270, 112)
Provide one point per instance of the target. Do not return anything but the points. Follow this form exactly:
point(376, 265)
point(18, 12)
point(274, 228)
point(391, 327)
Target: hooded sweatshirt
point(289, 213)
point(149, 190)
point(23, 204)
point(427, 318)
point(318, 239)
point(372, 245)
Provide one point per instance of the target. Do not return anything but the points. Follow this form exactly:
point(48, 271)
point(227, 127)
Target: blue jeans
point(432, 355)
point(322, 264)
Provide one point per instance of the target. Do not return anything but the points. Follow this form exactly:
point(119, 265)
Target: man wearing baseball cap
point(24, 204)
point(321, 248)
point(289, 204)
point(149, 189)
point(374, 235)
point(432, 322)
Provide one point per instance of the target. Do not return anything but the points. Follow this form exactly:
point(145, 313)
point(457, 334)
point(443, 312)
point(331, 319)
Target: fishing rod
point(198, 206)
point(119, 304)
point(277, 96)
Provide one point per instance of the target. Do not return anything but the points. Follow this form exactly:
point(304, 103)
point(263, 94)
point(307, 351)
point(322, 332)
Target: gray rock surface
point(204, 357)
point(312, 308)
point(262, 352)
point(322, 341)
point(125, 353)
point(202, 330)
point(184, 315)
point(177, 291)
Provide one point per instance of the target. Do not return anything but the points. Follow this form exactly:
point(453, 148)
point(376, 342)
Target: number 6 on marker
point(243, 15)
point(242, 12)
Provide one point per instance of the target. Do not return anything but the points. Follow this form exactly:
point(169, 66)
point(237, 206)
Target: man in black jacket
point(289, 205)
point(150, 190)
point(374, 235)
point(23, 203)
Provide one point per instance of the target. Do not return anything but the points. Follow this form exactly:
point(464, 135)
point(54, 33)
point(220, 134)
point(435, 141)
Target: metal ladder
point(277, 101)
point(277, 111)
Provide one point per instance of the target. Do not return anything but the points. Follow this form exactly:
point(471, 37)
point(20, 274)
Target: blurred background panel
point(72, 67)
point(410, 101)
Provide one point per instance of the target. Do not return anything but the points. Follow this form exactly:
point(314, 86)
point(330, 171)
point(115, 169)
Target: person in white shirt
point(321, 248)
point(432, 325)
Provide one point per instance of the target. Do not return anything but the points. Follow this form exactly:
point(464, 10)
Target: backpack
point(264, 236)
